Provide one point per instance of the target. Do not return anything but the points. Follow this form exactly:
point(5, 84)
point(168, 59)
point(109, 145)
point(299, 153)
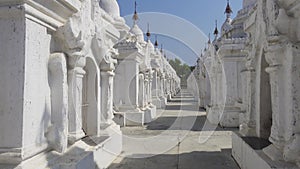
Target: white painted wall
point(37, 104)
point(12, 47)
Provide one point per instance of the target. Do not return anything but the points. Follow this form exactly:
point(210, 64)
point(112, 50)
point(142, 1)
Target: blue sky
point(199, 13)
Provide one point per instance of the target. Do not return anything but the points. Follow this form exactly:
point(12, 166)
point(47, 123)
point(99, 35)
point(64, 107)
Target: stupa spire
point(135, 15)
point(156, 43)
point(148, 34)
point(216, 32)
point(228, 10)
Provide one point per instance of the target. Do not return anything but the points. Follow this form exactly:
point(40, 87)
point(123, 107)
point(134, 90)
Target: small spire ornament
point(148, 34)
point(135, 15)
point(156, 43)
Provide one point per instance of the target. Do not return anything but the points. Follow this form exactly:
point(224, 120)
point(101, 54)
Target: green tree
point(182, 70)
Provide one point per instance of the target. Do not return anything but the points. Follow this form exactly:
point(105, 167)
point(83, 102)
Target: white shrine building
point(61, 67)
point(249, 78)
point(72, 73)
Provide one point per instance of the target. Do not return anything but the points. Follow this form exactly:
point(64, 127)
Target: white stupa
point(136, 30)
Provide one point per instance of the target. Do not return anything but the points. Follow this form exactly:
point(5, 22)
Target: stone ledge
point(10, 155)
point(90, 152)
point(247, 151)
point(50, 13)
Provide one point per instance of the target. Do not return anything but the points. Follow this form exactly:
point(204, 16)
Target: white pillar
point(150, 85)
point(284, 79)
point(58, 132)
point(155, 84)
point(248, 120)
point(75, 79)
point(107, 77)
point(162, 86)
point(141, 91)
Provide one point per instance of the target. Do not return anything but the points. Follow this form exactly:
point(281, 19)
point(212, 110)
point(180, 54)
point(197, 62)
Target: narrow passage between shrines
point(180, 138)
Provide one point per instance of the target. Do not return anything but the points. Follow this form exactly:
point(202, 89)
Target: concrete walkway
point(180, 138)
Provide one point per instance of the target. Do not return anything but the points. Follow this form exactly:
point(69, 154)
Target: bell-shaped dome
point(111, 7)
point(135, 30)
point(226, 27)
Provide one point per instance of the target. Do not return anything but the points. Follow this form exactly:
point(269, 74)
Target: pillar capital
point(76, 61)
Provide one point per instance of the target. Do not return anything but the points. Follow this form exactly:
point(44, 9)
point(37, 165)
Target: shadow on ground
point(257, 143)
point(192, 160)
point(183, 101)
point(190, 123)
point(181, 107)
point(181, 114)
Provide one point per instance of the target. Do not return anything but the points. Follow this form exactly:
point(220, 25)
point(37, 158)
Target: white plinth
point(150, 114)
point(134, 118)
point(213, 115)
point(163, 102)
point(169, 97)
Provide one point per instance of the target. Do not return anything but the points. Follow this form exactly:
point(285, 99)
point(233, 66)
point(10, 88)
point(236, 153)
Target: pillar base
point(73, 137)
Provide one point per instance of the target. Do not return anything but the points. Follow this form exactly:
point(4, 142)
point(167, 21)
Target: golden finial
point(135, 15)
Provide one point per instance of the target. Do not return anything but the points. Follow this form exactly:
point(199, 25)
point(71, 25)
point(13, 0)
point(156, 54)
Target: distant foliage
point(182, 70)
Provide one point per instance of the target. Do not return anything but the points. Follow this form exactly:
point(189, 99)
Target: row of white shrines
point(71, 73)
point(249, 77)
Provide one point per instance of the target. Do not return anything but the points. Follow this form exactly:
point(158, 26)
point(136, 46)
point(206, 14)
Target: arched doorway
point(264, 109)
point(91, 98)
